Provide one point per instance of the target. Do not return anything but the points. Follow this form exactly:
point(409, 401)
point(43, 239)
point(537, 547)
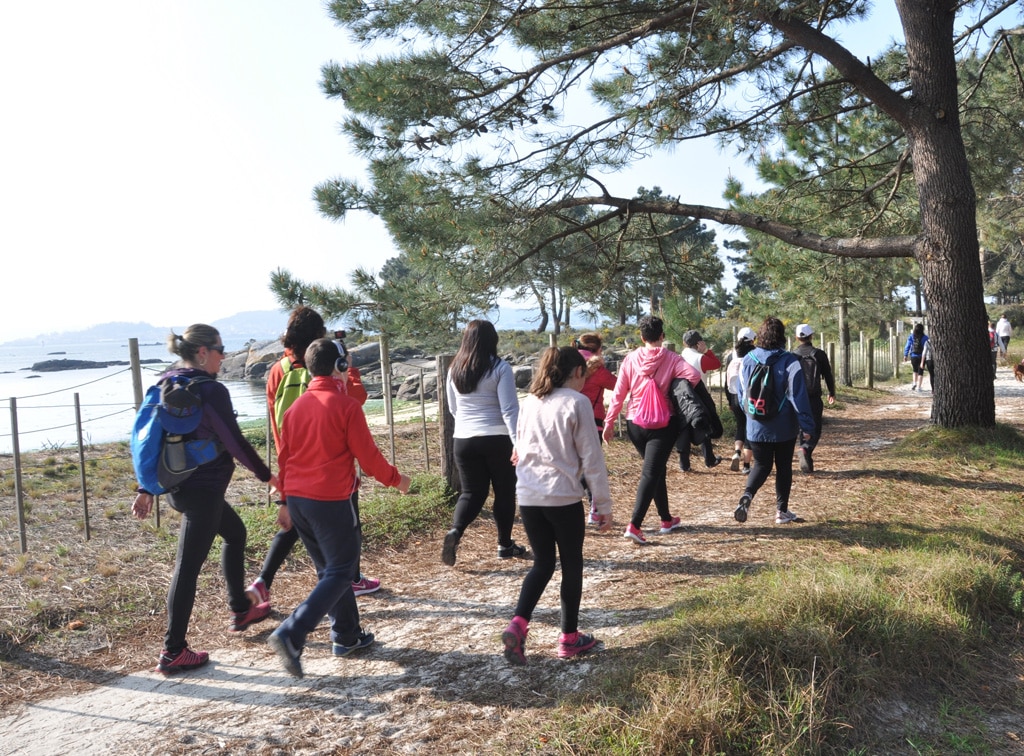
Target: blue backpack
point(163, 458)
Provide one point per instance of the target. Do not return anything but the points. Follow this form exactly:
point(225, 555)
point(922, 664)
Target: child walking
point(555, 447)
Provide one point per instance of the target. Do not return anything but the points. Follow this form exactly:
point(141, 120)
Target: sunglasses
point(217, 348)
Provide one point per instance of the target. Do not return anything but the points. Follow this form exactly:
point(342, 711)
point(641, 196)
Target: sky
point(158, 159)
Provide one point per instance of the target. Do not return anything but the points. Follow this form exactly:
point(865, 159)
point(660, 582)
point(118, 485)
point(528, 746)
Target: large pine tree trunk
point(948, 253)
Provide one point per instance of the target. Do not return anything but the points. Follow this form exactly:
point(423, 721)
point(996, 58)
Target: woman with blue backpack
point(773, 393)
point(205, 513)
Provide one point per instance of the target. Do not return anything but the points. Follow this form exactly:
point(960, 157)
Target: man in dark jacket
point(816, 366)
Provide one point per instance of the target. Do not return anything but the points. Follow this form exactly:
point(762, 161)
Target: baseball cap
point(692, 338)
point(803, 331)
point(746, 334)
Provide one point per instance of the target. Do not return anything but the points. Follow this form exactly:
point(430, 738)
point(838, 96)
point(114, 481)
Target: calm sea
point(46, 401)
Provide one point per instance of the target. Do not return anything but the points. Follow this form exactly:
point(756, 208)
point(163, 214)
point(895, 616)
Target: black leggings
point(204, 515)
point(548, 528)
point(741, 419)
point(655, 447)
point(765, 454)
point(484, 461)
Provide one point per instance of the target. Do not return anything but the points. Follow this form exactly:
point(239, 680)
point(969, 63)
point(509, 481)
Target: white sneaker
point(784, 518)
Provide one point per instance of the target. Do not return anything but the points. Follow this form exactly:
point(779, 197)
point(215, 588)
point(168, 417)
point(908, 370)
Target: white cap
point(803, 331)
point(746, 334)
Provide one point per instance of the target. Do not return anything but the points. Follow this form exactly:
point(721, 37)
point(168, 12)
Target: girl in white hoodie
point(555, 447)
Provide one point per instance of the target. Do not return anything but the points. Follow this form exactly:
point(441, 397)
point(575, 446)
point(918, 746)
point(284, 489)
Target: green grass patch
point(810, 656)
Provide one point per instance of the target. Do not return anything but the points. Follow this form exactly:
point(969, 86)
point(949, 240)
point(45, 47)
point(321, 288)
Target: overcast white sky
point(157, 160)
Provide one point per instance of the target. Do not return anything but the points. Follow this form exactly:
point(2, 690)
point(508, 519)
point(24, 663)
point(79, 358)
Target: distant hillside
point(262, 325)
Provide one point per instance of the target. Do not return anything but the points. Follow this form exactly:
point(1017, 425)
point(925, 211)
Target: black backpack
point(762, 402)
point(812, 373)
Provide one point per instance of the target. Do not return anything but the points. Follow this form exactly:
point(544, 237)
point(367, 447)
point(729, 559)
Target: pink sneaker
point(574, 644)
point(667, 526)
point(182, 661)
point(635, 534)
point(514, 639)
point(365, 585)
point(258, 592)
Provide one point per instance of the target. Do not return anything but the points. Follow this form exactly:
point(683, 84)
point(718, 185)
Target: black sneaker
point(451, 543)
point(741, 511)
point(291, 657)
point(713, 462)
point(512, 550)
point(364, 640)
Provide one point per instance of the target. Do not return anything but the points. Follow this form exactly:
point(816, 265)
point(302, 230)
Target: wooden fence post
point(446, 424)
point(19, 492)
point(869, 378)
point(133, 357)
point(81, 466)
point(423, 422)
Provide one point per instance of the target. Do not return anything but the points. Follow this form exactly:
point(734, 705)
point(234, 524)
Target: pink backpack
point(651, 409)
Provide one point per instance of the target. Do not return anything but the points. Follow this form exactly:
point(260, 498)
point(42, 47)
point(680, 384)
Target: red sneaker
point(258, 592)
point(183, 661)
point(255, 613)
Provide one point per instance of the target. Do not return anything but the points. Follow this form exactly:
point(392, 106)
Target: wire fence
point(20, 469)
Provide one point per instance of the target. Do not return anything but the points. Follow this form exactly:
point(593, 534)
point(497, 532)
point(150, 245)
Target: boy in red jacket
point(323, 435)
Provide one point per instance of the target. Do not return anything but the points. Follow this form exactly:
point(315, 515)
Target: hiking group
point(544, 453)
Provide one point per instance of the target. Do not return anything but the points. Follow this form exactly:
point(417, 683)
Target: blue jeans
point(330, 532)
point(283, 543)
point(655, 447)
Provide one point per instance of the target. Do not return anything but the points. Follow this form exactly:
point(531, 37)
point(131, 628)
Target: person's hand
point(608, 432)
point(284, 517)
point(403, 484)
point(274, 485)
point(515, 457)
point(142, 505)
point(831, 399)
point(604, 523)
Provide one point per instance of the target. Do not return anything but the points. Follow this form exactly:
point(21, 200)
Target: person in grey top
point(482, 398)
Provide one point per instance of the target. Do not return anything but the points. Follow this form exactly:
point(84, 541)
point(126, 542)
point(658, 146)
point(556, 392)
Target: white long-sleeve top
point(557, 445)
point(491, 410)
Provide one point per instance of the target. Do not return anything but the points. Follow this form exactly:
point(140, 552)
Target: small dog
point(1018, 371)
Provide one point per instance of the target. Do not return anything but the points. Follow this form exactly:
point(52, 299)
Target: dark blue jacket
point(794, 414)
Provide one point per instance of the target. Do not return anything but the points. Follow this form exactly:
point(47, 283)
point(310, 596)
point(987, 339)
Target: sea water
point(45, 401)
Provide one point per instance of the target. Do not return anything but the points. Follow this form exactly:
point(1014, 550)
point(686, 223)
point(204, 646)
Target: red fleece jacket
point(323, 435)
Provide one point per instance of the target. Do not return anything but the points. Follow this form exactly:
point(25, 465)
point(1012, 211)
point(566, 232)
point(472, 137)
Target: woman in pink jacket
point(652, 362)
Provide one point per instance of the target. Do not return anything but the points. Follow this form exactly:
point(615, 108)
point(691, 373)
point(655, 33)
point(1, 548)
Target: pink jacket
point(661, 364)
